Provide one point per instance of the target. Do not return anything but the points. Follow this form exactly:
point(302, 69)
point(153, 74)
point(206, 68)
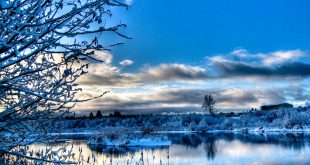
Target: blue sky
point(243, 52)
point(183, 31)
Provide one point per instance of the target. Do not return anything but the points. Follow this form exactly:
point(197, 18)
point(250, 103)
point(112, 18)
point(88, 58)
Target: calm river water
point(200, 149)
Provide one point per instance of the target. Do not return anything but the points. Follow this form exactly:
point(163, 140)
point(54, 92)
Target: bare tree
point(41, 57)
point(208, 104)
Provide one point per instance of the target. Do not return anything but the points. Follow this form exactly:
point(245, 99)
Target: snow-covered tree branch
point(39, 65)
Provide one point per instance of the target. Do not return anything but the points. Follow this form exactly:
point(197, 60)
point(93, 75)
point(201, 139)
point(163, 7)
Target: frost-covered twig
point(41, 59)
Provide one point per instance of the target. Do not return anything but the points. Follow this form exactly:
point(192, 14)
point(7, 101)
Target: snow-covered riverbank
point(285, 120)
point(254, 130)
point(125, 138)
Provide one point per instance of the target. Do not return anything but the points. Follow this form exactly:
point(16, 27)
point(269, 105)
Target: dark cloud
point(161, 73)
point(180, 72)
point(115, 80)
point(195, 96)
point(171, 72)
point(238, 98)
point(232, 69)
point(223, 68)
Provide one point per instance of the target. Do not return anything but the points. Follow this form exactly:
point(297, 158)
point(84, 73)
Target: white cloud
point(241, 53)
point(217, 58)
point(280, 57)
point(265, 59)
point(126, 62)
point(104, 74)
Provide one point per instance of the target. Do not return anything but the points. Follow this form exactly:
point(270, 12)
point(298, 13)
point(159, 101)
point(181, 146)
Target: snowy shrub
point(258, 113)
point(186, 121)
point(229, 126)
point(147, 130)
point(271, 116)
point(289, 124)
point(115, 133)
point(210, 120)
point(155, 121)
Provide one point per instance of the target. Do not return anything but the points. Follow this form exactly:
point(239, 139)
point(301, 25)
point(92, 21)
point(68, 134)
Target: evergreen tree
point(98, 114)
point(117, 114)
point(91, 115)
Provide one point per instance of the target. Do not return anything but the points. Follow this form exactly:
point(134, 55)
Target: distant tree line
point(278, 106)
point(115, 114)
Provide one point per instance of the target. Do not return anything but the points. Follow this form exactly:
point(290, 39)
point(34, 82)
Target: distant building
point(278, 106)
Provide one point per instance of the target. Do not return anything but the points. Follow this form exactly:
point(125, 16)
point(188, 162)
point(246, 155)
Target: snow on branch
point(38, 70)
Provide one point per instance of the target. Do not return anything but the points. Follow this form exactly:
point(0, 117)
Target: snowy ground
point(122, 130)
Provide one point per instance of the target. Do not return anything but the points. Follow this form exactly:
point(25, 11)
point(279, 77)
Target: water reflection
point(296, 141)
point(231, 148)
point(196, 149)
point(210, 148)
